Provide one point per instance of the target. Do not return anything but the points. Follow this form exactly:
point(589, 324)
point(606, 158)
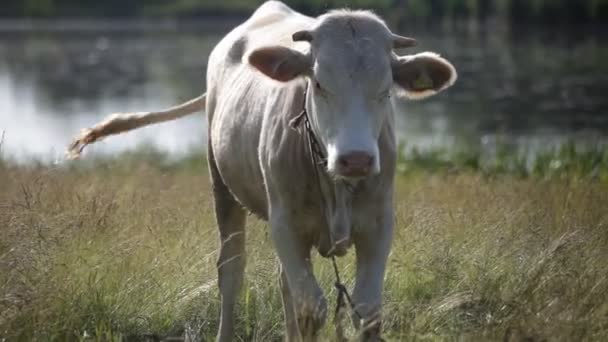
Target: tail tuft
point(86, 137)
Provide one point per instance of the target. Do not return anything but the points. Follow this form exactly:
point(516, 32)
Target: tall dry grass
point(125, 249)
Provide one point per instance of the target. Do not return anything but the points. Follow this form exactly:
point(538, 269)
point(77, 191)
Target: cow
point(340, 74)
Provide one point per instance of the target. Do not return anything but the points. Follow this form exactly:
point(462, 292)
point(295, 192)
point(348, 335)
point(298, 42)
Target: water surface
point(531, 89)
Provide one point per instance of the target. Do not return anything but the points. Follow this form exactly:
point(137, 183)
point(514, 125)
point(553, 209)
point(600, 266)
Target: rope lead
point(342, 292)
point(318, 159)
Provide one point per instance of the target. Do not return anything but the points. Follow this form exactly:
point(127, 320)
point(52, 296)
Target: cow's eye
point(384, 95)
point(318, 86)
point(320, 89)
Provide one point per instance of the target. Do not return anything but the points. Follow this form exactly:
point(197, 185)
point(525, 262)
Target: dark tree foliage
point(555, 12)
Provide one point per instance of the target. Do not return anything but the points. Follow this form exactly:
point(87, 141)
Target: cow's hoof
point(371, 334)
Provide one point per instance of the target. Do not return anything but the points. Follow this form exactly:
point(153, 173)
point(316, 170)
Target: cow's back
point(239, 99)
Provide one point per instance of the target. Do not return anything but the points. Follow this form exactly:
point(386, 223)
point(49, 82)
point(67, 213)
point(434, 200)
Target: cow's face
point(352, 72)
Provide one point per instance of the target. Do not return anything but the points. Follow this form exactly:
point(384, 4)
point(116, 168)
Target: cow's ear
point(423, 75)
point(279, 63)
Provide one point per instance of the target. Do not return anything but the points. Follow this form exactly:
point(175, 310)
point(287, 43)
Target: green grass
point(565, 161)
point(125, 249)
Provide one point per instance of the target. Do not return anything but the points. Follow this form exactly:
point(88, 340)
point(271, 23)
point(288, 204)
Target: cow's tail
point(123, 122)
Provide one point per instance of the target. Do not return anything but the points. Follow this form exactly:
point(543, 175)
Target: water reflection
point(529, 89)
point(533, 88)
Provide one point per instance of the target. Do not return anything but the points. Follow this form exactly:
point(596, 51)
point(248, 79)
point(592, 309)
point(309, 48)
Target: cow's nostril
point(343, 161)
point(355, 163)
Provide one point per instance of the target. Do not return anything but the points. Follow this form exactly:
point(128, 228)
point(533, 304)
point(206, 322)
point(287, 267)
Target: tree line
point(533, 11)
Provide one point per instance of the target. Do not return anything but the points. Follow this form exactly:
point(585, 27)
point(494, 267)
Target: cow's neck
point(336, 196)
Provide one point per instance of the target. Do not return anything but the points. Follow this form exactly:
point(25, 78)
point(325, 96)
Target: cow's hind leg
point(230, 218)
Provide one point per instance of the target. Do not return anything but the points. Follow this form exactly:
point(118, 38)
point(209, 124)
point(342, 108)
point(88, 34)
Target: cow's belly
point(234, 139)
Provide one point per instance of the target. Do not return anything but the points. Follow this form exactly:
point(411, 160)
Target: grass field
point(125, 249)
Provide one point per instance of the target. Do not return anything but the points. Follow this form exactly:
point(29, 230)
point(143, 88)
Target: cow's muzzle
point(356, 164)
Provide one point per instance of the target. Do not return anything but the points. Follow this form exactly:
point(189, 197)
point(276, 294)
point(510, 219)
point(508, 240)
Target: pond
point(529, 89)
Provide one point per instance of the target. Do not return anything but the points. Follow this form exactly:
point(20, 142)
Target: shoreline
point(225, 22)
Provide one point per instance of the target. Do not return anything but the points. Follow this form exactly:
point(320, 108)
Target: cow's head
point(353, 71)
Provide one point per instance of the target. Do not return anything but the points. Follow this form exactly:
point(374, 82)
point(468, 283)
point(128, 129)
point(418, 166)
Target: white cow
point(342, 70)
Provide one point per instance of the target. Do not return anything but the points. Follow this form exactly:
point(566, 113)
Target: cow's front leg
point(307, 301)
point(372, 247)
point(289, 311)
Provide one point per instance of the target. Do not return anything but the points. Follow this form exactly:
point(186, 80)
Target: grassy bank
point(564, 161)
point(125, 249)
